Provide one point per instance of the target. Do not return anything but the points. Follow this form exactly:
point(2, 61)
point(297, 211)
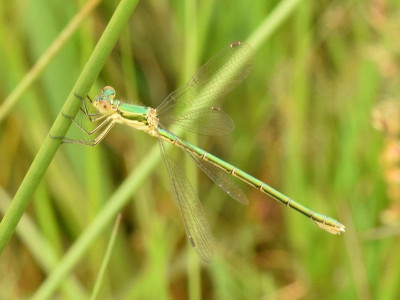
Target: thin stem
point(107, 257)
point(274, 20)
point(191, 64)
point(41, 249)
point(61, 124)
point(100, 223)
point(46, 58)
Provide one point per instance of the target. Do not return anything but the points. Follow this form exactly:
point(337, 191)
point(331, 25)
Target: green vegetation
point(303, 125)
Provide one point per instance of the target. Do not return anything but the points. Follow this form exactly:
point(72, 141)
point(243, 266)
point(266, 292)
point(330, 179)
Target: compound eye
point(109, 92)
point(105, 105)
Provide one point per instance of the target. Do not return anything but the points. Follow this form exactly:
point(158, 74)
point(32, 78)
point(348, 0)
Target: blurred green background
point(305, 121)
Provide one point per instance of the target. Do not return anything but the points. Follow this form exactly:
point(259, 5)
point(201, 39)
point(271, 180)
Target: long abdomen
point(325, 222)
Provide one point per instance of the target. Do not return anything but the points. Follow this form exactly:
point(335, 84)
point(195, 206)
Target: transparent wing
point(220, 178)
point(190, 208)
point(218, 76)
point(208, 121)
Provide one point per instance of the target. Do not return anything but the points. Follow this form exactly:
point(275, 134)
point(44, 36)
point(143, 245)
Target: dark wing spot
point(235, 44)
point(192, 242)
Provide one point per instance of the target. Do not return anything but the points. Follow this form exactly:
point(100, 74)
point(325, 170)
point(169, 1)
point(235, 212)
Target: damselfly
point(191, 108)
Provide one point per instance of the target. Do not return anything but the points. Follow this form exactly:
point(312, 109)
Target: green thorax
point(133, 112)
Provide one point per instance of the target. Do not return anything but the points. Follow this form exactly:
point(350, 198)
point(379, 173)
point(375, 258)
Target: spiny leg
point(83, 129)
point(98, 116)
point(93, 142)
point(91, 117)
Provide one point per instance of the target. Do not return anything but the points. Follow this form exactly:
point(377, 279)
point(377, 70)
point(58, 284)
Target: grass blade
point(61, 124)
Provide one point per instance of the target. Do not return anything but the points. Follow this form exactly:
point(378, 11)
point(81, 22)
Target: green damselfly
point(190, 107)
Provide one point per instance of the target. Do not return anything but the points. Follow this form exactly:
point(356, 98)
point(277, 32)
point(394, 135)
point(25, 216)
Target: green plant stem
point(191, 64)
point(46, 58)
point(107, 256)
point(61, 124)
point(46, 256)
point(102, 221)
point(274, 20)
